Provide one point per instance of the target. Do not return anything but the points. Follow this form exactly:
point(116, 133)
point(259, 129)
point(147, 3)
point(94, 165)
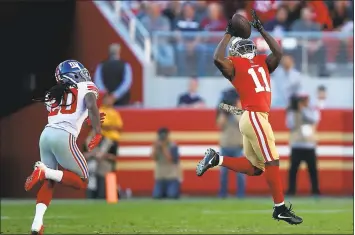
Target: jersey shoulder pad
point(88, 87)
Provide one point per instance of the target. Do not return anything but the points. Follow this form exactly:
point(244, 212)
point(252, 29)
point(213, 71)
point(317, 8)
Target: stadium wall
point(210, 89)
point(193, 130)
point(93, 34)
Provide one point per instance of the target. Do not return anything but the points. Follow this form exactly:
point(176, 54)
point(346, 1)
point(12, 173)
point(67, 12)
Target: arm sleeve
point(126, 84)
point(98, 79)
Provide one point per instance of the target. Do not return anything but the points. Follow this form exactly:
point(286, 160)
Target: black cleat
point(286, 214)
point(210, 160)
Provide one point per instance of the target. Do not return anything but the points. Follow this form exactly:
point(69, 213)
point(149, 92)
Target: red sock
point(73, 180)
point(241, 165)
point(273, 178)
point(45, 193)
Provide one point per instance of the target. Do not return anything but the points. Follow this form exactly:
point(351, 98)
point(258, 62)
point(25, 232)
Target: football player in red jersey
point(250, 75)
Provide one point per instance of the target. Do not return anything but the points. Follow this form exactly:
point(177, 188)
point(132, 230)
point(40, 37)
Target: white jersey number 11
point(258, 86)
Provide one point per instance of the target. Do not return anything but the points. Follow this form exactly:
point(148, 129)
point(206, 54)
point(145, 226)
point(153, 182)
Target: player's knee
point(257, 171)
point(273, 163)
point(84, 185)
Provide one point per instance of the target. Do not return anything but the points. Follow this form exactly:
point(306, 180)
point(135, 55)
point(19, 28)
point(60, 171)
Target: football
point(241, 25)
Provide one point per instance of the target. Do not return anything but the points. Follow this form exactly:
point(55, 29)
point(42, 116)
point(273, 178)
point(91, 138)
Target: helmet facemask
point(244, 48)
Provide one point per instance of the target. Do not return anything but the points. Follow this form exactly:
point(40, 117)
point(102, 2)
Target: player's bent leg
point(240, 165)
point(37, 176)
point(73, 180)
point(260, 134)
point(44, 197)
point(273, 178)
point(249, 165)
point(47, 160)
point(65, 177)
point(45, 193)
point(212, 159)
point(71, 159)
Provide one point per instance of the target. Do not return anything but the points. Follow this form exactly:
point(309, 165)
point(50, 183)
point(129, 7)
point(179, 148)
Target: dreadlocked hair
point(53, 97)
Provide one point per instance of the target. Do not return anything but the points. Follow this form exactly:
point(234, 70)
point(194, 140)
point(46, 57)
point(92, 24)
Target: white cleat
point(37, 228)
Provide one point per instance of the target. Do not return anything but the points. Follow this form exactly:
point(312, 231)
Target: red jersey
point(252, 82)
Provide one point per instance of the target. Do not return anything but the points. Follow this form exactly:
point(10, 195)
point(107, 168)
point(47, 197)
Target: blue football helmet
point(71, 71)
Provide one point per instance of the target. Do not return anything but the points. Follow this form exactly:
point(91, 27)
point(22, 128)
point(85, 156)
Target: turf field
point(187, 216)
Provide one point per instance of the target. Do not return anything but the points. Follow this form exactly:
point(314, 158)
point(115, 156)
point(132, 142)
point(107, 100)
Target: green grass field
point(187, 216)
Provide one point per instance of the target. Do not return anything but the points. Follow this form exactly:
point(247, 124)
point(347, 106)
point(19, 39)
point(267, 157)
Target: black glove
point(256, 23)
point(230, 30)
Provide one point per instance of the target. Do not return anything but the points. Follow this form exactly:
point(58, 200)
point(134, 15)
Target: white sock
point(38, 220)
point(55, 175)
point(280, 204)
point(220, 160)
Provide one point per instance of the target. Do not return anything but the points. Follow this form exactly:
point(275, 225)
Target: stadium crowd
point(212, 15)
point(278, 17)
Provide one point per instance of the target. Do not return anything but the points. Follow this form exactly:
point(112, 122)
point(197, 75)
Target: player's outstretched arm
point(94, 114)
point(274, 58)
point(223, 64)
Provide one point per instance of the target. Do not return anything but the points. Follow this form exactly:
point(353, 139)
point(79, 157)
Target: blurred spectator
point(231, 142)
point(287, 81)
point(302, 120)
point(214, 21)
point(350, 9)
point(113, 124)
point(265, 9)
point(191, 99)
point(102, 159)
point(339, 13)
point(172, 11)
point(231, 7)
point(154, 20)
point(201, 9)
point(305, 23)
point(114, 76)
point(294, 10)
point(321, 14)
point(163, 51)
point(321, 97)
point(167, 168)
point(315, 49)
point(279, 24)
point(242, 12)
point(137, 7)
point(186, 47)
